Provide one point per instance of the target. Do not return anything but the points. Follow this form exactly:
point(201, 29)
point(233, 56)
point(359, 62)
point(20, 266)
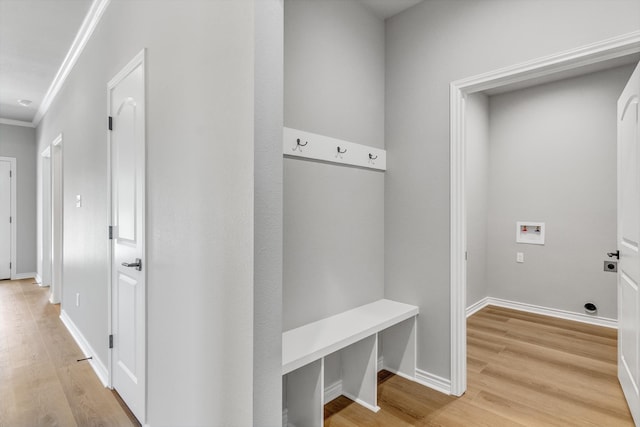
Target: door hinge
point(466, 256)
point(10, 220)
point(110, 123)
point(10, 174)
point(111, 232)
point(10, 265)
point(111, 341)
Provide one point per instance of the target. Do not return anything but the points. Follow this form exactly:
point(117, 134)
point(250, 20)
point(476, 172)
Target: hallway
point(41, 383)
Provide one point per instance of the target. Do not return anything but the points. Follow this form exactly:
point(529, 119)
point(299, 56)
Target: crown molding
point(84, 34)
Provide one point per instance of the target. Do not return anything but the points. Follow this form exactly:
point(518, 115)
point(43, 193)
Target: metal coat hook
point(372, 157)
point(340, 152)
point(300, 145)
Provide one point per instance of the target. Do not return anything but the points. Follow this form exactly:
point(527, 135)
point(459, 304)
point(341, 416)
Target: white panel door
point(5, 218)
point(127, 137)
point(629, 244)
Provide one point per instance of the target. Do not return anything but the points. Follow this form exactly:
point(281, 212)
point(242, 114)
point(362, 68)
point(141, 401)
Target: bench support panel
point(305, 395)
point(399, 348)
point(359, 372)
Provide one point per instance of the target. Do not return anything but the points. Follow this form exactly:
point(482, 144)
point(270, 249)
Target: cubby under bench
point(384, 326)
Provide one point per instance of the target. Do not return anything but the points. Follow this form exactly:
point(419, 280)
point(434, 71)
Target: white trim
point(57, 220)
point(12, 122)
point(554, 312)
point(20, 276)
point(96, 10)
point(46, 153)
point(98, 367)
point(14, 220)
point(477, 306)
point(617, 47)
point(285, 417)
point(433, 381)
point(39, 280)
point(605, 50)
point(127, 69)
point(333, 391)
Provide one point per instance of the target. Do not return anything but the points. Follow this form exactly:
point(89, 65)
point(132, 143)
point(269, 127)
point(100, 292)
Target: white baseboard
point(477, 306)
point(362, 402)
point(97, 365)
point(545, 311)
point(20, 276)
point(433, 381)
point(39, 281)
point(333, 391)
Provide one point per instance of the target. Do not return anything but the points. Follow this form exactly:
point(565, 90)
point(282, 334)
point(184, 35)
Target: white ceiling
point(387, 8)
point(35, 36)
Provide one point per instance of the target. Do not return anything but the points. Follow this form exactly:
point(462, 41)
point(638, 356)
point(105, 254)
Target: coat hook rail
point(332, 150)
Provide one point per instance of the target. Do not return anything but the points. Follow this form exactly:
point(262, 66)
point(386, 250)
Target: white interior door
point(128, 294)
point(5, 219)
point(629, 244)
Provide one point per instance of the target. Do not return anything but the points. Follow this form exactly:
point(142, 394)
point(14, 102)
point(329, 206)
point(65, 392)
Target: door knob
point(137, 264)
point(614, 254)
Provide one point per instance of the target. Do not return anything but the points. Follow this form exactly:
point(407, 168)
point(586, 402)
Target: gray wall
point(428, 46)
point(553, 159)
point(200, 201)
point(477, 188)
point(267, 321)
point(20, 142)
point(333, 215)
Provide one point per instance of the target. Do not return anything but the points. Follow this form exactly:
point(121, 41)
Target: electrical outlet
point(519, 257)
point(78, 299)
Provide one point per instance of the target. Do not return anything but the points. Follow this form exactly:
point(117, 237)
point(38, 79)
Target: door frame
point(45, 219)
point(591, 57)
point(138, 60)
point(57, 219)
point(14, 220)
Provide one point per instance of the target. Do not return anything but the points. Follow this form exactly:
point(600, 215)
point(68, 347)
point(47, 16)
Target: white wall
point(553, 159)
point(477, 188)
point(428, 46)
point(20, 142)
point(201, 115)
point(333, 215)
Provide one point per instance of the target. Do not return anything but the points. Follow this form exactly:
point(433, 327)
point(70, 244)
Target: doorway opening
point(595, 57)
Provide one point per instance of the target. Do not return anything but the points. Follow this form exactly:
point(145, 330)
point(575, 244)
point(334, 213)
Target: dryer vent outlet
point(590, 308)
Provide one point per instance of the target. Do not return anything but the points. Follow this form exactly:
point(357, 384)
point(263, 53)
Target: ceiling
point(35, 36)
point(387, 8)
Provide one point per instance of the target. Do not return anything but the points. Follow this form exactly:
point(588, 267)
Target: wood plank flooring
point(523, 370)
point(41, 383)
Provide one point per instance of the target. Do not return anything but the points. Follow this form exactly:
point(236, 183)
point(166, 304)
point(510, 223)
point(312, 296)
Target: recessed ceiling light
point(24, 102)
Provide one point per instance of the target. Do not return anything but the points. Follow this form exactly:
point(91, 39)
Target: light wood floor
point(523, 370)
point(41, 383)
